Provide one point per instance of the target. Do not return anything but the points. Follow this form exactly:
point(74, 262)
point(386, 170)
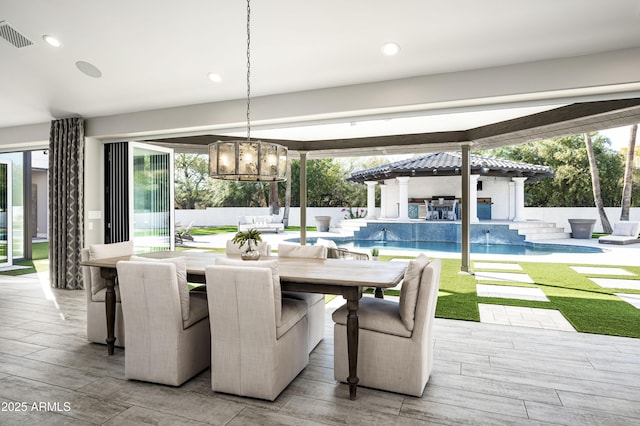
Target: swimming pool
point(449, 247)
point(485, 238)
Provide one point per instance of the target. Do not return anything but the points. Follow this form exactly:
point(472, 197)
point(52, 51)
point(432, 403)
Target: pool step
point(351, 225)
point(536, 231)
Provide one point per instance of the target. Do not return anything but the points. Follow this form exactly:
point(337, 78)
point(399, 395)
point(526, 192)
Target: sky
point(619, 137)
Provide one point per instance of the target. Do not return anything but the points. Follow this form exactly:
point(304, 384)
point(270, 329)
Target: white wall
point(496, 188)
point(426, 187)
point(228, 216)
point(561, 215)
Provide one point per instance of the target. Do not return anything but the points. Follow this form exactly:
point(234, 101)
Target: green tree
point(567, 157)
point(327, 185)
point(239, 194)
point(192, 181)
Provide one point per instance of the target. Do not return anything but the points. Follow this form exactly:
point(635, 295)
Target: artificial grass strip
point(587, 306)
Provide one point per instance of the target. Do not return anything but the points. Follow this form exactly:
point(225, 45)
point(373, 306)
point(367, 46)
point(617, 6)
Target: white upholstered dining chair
point(395, 343)
point(167, 326)
point(259, 341)
point(95, 290)
point(315, 302)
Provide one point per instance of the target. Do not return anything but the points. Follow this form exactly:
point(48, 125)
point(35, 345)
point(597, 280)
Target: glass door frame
point(9, 213)
point(171, 208)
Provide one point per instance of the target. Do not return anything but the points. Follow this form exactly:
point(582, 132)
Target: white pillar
point(519, 199)
point(403, 197)
point(383, 201)
point(371, 199)
point(473, 198)
point(511, 200)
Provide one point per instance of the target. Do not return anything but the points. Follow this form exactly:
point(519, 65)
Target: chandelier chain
point(248, 70)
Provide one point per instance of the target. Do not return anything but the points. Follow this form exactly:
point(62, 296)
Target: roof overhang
point(566, 120)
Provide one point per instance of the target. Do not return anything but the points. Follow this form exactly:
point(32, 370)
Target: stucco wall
point(495, 188)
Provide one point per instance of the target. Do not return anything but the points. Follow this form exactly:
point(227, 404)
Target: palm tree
point(628, 174)
point(595, 182)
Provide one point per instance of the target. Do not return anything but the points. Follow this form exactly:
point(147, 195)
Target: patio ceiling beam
point(567, 120)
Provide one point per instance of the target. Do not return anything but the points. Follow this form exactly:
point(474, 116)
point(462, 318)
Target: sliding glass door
point(151, 217)
point(6, 208)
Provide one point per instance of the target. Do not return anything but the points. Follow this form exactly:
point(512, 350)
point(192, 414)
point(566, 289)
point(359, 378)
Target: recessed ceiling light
point(390, 48)
point(216, 78)
point(88, 69)
point(51, 40)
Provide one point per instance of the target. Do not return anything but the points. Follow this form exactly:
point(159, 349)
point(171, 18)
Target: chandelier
point(247, 160)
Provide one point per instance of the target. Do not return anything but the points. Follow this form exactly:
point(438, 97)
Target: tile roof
point(450, 164)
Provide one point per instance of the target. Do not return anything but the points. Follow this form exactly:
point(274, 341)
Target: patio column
point(473, 198)
point(383, 200)
point(519, 199)
point(303, 197)
point(403, 197)
point(512, 197)
point(371, 199)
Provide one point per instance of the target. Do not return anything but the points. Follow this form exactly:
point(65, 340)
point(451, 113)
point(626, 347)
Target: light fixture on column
point(247, 160)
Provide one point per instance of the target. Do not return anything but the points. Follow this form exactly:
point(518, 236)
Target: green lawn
point(587, 306)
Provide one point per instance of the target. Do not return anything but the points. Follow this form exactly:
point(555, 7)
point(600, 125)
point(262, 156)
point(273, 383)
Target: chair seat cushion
point(198, 309)
point(102, 294)
point(310, 298)
point(382, 316)
point(292, 312)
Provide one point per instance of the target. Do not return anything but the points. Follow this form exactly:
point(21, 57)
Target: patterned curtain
point(66, 202)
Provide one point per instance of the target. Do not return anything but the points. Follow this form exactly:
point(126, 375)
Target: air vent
point(9, 33)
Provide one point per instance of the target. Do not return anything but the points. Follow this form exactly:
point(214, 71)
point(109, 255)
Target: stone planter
point(582, 228)
point(323, 223)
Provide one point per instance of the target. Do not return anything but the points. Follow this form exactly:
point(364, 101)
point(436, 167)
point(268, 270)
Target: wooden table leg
point(353, 330)
point(379, 293)
point(109, 276)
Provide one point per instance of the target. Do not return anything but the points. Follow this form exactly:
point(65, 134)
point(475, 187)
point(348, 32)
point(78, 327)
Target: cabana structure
point(410, 186)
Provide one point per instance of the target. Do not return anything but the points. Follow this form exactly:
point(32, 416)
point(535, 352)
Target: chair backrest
point(150, 298)
point(296, 250)
point(626, 229)
point(152, 316)
point(93, 282)
point(241, 308)
point(426, 306)
point(264, 248)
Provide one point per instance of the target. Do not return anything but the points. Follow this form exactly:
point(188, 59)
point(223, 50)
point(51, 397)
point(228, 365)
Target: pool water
point(449, 247)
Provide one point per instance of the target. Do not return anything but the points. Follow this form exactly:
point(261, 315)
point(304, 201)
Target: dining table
point(346, 278)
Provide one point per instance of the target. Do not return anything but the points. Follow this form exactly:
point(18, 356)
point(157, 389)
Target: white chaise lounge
point(624, 232)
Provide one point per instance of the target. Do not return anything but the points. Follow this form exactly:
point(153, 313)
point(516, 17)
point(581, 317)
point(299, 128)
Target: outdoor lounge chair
point(624, 232)
point(335, 252)
point(393, 333)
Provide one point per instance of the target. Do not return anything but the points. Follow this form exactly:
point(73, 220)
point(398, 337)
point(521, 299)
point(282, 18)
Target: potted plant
point(250, 237)
point(374, 253)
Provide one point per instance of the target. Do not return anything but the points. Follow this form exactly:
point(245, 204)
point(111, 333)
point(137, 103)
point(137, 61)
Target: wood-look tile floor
point(483, 374)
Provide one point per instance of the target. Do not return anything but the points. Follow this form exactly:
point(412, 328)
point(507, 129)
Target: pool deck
point(611, 255)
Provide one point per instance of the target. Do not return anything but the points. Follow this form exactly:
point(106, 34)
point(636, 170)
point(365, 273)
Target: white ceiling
point(157, 53)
